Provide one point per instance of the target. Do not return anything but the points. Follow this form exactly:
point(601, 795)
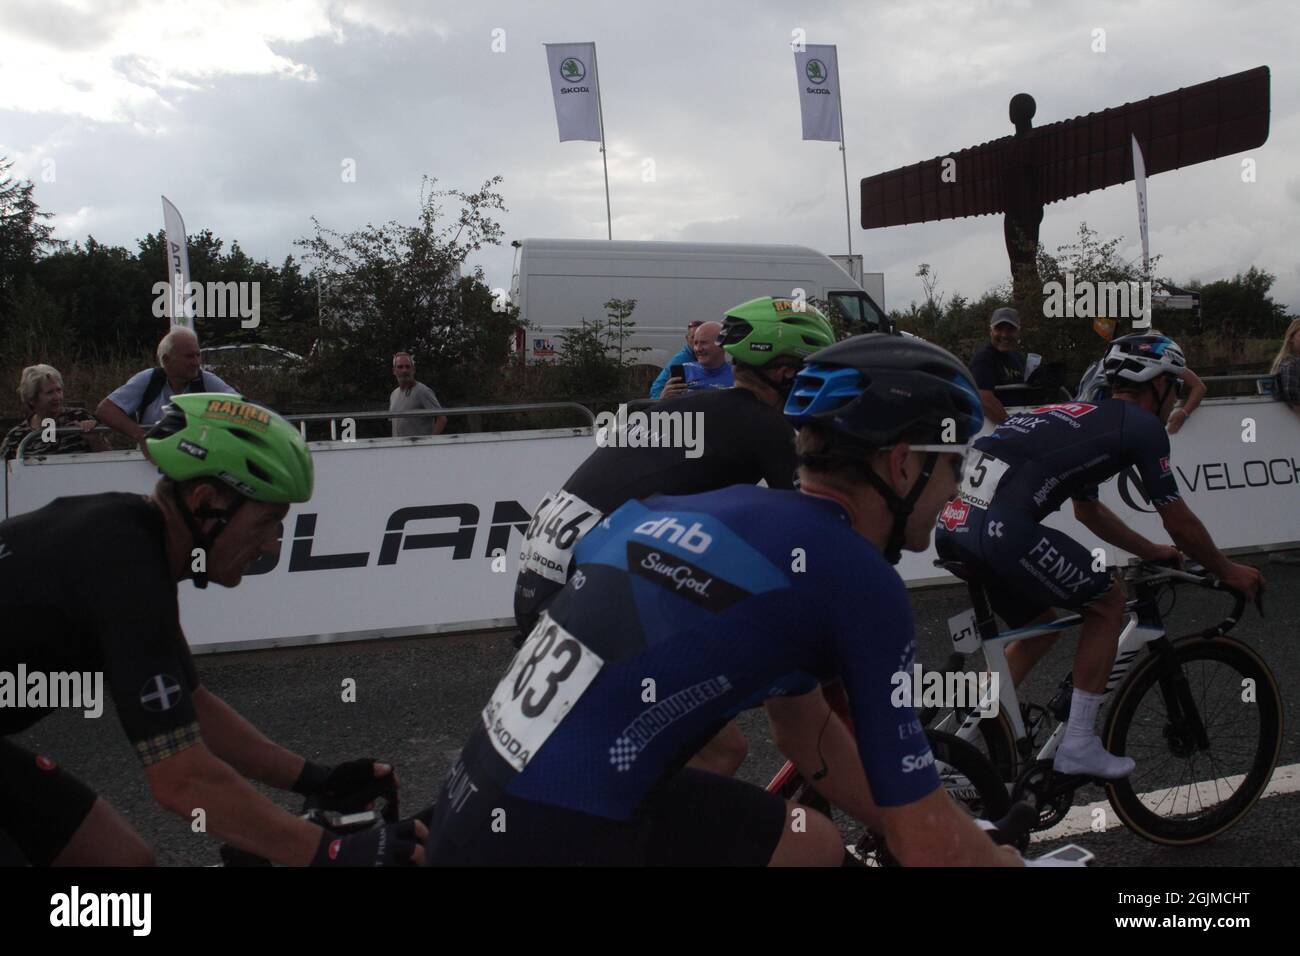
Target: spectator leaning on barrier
point(40, 392)
point(139, 403)
point(687, 354)
point(709, 370)
point(998, 363)
point(1287, 367)
point(410, 396)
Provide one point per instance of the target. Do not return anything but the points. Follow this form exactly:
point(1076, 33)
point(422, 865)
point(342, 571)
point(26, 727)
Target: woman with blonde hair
point(1287, 366)
point(40, 392)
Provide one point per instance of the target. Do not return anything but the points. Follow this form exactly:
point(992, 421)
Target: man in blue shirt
point(139, 402)
point(710, 368)
point(684, 355)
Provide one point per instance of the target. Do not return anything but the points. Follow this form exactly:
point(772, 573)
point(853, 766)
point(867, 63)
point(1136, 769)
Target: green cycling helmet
point(760, 330)
point(250, 448)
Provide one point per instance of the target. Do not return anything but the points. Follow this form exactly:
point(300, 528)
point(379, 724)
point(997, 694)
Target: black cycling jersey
point(85, 587)
point(742, 440)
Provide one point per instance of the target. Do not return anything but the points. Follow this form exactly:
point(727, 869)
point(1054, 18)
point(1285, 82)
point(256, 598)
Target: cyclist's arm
point(1190, 536)
point(934, 831)
point(797, 724)
point(233, 811)
point(232, 739)
point(1108, 526)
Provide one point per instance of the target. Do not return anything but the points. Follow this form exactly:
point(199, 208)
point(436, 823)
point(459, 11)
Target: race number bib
point(546, 678)
point(980, 478)
point(557, 526)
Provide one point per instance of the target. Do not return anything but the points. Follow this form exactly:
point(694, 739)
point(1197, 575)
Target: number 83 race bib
point(557, 526)
point(546, 678)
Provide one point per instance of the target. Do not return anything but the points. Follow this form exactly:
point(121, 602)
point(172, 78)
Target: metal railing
point(334, 417)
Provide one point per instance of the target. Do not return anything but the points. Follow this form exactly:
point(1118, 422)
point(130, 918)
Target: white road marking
point(1079, 820)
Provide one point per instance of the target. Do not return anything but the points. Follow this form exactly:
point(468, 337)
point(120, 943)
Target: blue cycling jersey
point(682, 612)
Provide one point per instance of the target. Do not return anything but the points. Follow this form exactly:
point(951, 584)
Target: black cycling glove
point(348, 787)
point(390, 845)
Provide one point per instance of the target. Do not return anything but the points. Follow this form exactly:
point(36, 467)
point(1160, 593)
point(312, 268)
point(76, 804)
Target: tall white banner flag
point(1140, 179)
point(180, 309)
point(576, 89)
point(818, 73)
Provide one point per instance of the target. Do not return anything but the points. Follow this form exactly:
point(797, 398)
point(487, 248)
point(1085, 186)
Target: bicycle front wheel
point(1183, 791)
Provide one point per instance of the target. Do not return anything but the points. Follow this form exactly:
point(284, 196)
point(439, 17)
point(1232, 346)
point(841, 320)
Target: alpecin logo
point(954, 514)
point(1073, 409)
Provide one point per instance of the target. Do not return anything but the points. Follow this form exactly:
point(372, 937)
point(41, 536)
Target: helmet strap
point(899, 507)
point(204, 540)
point(781, 386)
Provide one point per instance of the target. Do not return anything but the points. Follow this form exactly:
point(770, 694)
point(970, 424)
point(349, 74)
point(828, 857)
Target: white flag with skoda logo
point(818, 73)
point(573, 84)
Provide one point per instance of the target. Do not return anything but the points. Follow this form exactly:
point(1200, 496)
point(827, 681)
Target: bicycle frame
point(1140, 629)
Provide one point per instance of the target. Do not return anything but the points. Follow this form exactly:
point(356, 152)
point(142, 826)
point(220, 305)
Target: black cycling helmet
point(874, 390)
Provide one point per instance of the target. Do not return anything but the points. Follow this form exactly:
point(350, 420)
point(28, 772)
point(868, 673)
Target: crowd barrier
point(421, 535)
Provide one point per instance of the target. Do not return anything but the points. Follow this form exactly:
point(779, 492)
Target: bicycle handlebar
point(1168, 571)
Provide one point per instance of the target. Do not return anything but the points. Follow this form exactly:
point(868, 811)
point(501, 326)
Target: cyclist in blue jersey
point(1024, 471)
point(683, 611)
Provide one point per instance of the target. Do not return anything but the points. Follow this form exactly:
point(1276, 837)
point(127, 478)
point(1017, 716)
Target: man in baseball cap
point(998, 363)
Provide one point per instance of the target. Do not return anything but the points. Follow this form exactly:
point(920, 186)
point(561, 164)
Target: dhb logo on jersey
point(694, 539)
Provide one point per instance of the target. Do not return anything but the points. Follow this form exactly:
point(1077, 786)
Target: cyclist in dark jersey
point(1024, 471)
point(231, 469)
point(745, 439)
point(683, 611)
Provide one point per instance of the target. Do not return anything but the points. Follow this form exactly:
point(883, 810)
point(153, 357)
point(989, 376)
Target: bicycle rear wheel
point(1183, 792)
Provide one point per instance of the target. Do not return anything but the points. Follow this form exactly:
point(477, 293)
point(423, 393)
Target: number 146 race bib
point(557, 526)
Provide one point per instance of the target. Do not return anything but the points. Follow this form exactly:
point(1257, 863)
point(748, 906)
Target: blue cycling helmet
point(875, 390)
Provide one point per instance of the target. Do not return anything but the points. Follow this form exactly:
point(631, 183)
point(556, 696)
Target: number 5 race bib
point(980, 478)
point(546, 678)
point(557, 526)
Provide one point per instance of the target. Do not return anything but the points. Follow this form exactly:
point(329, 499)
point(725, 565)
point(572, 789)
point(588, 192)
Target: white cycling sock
point(1081, 750)
point(1083, 714)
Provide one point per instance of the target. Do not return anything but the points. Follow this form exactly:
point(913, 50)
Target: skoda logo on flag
point(572, 70)
point(816, 72)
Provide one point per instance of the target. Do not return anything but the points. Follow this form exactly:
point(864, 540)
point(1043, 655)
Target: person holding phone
point(709, 370)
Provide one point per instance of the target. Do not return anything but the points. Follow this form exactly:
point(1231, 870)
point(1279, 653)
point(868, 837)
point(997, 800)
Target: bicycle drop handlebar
point(1168, 571)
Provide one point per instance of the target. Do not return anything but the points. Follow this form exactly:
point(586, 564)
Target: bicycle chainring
point(1050, 793)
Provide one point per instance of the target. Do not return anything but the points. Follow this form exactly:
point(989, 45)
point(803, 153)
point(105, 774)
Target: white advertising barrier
point(1237, 464)
point(397, 539)
point(399, 536)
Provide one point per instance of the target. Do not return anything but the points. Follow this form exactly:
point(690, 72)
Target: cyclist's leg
point(1103, 619)
point(724, 753)
point(1023, 656)
point(105, 839)
point(701, 819)
point(56, 820)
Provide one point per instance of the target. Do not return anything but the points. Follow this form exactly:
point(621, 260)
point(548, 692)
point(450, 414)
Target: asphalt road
point(418, 698)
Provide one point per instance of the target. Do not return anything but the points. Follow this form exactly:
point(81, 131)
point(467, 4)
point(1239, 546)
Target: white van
point(559, 283)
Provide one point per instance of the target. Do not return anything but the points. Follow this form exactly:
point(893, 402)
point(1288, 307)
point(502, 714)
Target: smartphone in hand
point(678, 371)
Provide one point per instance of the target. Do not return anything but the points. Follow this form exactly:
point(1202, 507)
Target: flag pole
point(839, 103)
point(600, 109)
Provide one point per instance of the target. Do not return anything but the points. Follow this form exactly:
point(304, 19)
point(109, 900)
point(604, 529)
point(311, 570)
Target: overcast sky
point(243, 113)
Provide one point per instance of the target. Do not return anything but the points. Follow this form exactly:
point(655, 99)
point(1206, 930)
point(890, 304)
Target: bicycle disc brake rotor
point(1047, 791)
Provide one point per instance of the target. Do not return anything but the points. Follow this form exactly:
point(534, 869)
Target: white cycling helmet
point(1142, 358)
